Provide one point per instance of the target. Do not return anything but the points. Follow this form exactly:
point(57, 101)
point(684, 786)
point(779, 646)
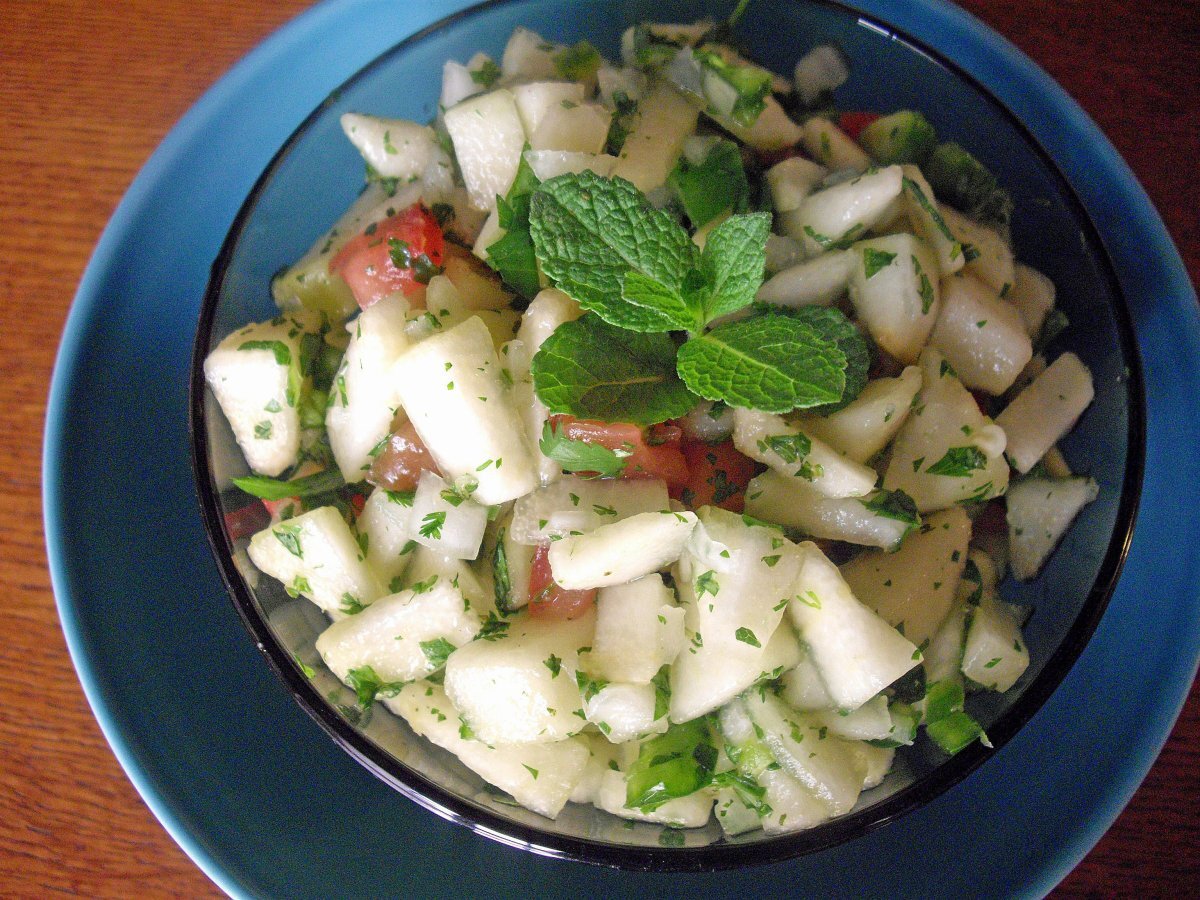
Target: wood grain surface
point(88, 88)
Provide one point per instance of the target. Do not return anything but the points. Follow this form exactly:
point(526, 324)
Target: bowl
point(316, 174)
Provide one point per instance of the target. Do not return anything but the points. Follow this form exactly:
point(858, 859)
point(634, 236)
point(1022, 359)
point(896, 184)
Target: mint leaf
point(658, 299)
point(671, 765)
point(589, 232)
point(512, 255)
point(834, 327)
point(959, 462)
point(716, 185)
point(734, 257)
point(774, 363)
point(581, 456)
point(593, 370)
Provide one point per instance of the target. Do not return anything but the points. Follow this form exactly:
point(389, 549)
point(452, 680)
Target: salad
point(656, 436)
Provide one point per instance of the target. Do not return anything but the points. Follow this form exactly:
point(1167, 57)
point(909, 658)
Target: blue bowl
point(316, 175)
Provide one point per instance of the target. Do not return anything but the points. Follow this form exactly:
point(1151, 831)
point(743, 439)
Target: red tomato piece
point(277, 508)
point(992, 519)
point(717, 475)
point(397, 254)
point(547, 600)
point(246, 521)
point(853, 123)
point(398, 466)
point(652, 453)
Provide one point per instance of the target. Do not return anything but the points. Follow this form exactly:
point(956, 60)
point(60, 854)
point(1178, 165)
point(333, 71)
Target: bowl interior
point(317, 174)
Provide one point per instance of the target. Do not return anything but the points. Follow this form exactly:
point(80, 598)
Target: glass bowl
point(315, 176)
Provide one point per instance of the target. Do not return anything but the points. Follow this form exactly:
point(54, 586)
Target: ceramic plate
point(256, 792)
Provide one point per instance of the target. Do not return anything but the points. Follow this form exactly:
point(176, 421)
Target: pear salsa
point(655, 435)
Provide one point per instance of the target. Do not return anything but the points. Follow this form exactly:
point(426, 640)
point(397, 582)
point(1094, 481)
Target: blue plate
point(254, 790)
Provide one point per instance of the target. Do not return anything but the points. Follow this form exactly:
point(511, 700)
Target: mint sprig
point(640, 275)
point(594, 370)
point(512, 254)
point(773, 363)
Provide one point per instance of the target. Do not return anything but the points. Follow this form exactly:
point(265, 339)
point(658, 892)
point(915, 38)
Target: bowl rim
point(721, 854)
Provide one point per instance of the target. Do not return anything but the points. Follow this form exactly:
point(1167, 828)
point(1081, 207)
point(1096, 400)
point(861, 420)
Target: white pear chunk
point(1040, 510)
point(857, 653)
point(988, 255)
point(894, 288)
point(832, 147)
point(540, 777)
point(395, 148)
point(621, 551)
point(947, 450)
point(403, 636)
point(488, 139)
point(1033, 295)
point(1039, 416)
point(316, 555)
point(929, 224)
point(520, 686)
point(536, 99)
point(664, 120)
point(820, 281)
point(837, 215)
point(575, 504)
point(913, 588)
point(994, 653)
point(451, 388)
point(364, 398)
point(734, 580)
point(983, 337)
point(867, 424)
point(639, 629)
point(254, 374)
point(786, 449)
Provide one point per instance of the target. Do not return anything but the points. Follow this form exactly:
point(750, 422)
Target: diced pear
point(994, 654)
point(520, 686)
point(386, 520)
point(733, 580)
point(793, 179)
point(577, 129)
point(898, 300)
point(639, 629)
point(619, 552)
point(536, 99)
point(857, 653)
point(460, 82)
point(254, 374)
point(582, 504)
point(945, 431)
point(983, 337)
point(836, 215)
point(540, 777)
point(820, 281)
point(1040, 510)
point(913, 588)
point(364, 399)
point(624, 712)
point(791, 501)
point(1039, 416)
point(692, 811)
point(547, 164)
point(769, 439)
point(451, 388)
point(446, 521)
point(528, 57)
point(772, 130)
point(664, 120)
point(402, 636)
point(925, 213)
point(832, 147)
point(488, 139)
point(315, 554)
point(1033, 295)
point(988, 255)
point(865, 426)
point(395, 148)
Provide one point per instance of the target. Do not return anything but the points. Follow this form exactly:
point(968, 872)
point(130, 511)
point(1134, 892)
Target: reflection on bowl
point(316, 175)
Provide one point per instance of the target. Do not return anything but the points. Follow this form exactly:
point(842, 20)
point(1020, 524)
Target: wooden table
point(90, 88)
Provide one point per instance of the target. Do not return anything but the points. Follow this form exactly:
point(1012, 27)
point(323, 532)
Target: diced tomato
point(398, 466)
point(289, 505)
point(357, 503)
point(992, 519)
point(652, 453)
point(717, 475)
point(397, 254)
point(549, 601)
point(853, 123)
point(246, 520)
